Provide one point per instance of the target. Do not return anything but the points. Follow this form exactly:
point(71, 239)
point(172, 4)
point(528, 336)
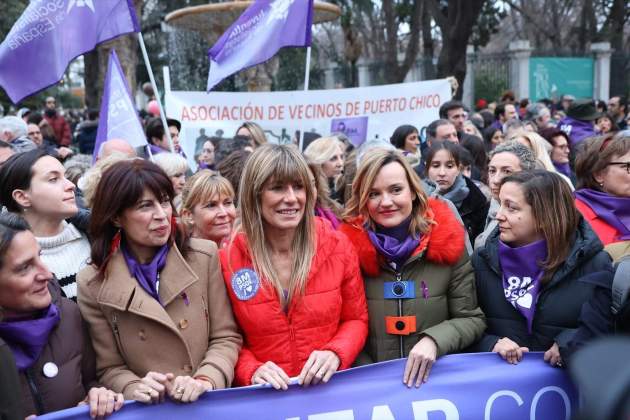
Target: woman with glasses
point(602, 167)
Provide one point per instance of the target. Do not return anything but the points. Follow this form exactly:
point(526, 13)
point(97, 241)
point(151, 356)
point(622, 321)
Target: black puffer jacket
point(571, 308)
point(474, 210)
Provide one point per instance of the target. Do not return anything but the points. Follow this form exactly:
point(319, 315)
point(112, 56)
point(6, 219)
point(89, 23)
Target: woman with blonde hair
point(418, 278)
point(325, 207)
point(252, 131)
point(175, 166)
point(294, 282)
point(208, 210)
point(328, 153)
point(542, 151)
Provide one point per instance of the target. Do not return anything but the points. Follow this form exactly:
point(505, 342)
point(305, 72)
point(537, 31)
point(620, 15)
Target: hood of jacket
point(442, 244)
point(586, 245)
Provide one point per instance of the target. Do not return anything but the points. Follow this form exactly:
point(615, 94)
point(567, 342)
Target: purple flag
point(51, 33)
point(118, 118)
point(262, 29)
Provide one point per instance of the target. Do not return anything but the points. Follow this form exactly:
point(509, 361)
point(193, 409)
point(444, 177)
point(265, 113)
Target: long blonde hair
point(277, 163)
point(366, 175)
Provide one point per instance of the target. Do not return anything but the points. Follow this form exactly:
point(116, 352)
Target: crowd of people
point(494, 230)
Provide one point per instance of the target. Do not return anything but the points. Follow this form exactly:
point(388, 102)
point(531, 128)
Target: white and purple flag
point(51, 33)
point(256, 36)
point(118, 118)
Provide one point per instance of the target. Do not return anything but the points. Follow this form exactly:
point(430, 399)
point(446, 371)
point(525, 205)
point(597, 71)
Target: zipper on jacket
point(39, 403)
point(400, 337)
point(293, 351)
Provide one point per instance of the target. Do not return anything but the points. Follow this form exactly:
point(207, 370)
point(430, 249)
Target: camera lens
point(398, 289)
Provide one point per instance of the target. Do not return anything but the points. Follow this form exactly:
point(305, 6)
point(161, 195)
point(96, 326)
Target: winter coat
point(330, 315)
point(445, 307)
point(571, 307)
point(10, 395)
point(193, 334)
point(70, 349)
point(86, 136)
point(61, 128)
point(606, 233)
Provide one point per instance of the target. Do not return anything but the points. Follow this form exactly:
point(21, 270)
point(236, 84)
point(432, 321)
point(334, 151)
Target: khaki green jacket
point(445, 305)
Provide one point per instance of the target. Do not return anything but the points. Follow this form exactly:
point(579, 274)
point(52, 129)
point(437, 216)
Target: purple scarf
point(327, 214)
point(27, 338)
point(563, 168)
point(395, 244)
point(147, 274)
point(521, 276)
point(611, 209)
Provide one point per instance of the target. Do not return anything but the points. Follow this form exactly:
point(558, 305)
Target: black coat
point(571, 308)
point(10, 408)
point(474, 210)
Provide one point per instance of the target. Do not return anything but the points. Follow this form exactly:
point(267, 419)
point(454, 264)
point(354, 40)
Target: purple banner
point(354, 128)
point(51, 33)
point(463, 386)
point(256, 36)
point(118, 118)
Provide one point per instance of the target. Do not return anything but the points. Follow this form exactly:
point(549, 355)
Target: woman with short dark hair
point(149, 288)
point(44, 331)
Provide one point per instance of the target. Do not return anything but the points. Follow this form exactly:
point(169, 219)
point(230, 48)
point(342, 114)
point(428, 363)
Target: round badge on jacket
point(245, 283)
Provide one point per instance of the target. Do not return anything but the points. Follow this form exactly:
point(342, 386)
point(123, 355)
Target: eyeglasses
point(622, 164)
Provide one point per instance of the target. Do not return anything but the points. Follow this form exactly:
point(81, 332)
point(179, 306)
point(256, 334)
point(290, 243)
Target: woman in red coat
point(295, 284)
point(602, 196)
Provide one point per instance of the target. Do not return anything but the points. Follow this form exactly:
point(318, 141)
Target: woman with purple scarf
point(417, 274)
point(154, 300)
point(44, 332)
point(543, 282)
point(603, 195)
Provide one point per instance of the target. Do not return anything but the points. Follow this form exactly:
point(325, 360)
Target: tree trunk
point(456, 27)
point(96, 62)
point(428, 47)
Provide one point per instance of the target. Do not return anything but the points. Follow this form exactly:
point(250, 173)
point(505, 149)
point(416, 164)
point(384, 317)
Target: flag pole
point(145, 56)
point(307, 74)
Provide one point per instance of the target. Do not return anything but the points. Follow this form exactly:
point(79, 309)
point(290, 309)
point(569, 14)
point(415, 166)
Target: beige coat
point(194, 334)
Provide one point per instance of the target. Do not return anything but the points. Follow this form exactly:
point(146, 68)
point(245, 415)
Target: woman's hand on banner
point(509, 350)
point(186, 389)
point(320, 367)
point(419, 363)
point(103, 402)
point(270, 373)
point(553, 356)
point(153, 387)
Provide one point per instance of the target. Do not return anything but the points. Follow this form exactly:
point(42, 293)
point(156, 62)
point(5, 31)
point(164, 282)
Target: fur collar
point(444, 242)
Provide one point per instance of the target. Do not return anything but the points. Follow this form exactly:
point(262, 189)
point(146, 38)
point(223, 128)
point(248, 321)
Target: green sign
point(551, 77)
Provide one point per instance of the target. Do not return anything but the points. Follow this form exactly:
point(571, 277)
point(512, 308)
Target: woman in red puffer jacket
point(295, 284)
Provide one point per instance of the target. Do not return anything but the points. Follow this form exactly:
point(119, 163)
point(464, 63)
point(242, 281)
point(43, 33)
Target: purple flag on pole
point(118, 118)
point(262, 29)
point(51, 33)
